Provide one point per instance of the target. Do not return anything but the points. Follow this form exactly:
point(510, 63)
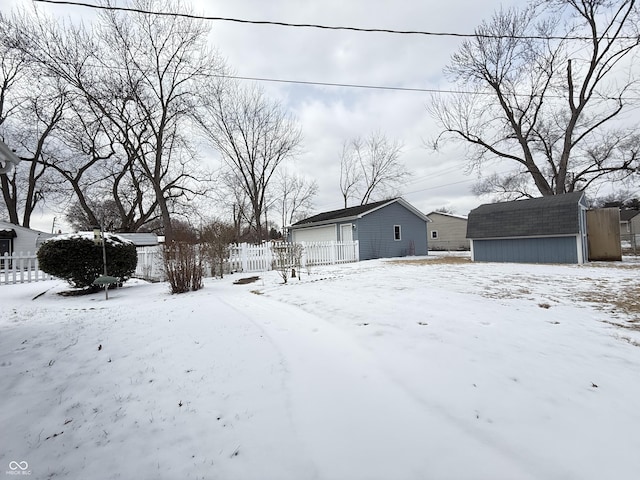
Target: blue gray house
point(550, 229)
point(390, 228)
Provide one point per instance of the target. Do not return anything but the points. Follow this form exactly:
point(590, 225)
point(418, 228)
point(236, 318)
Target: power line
point(319, 26)
point(348, 85)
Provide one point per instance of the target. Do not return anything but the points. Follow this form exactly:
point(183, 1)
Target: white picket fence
point(258, 258)
point(21, 268)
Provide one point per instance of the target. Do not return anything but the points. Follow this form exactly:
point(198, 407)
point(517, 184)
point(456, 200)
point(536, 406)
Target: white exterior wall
point(327, 233)
point(26, 239)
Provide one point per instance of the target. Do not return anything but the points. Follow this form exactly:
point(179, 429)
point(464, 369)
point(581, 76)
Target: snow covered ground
point(413, 369)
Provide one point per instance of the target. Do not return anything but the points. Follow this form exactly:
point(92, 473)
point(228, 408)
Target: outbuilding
point(389, 228)
point(551, 229)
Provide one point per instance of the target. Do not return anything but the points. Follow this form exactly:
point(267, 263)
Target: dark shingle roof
point(551, 215)
point(627, 214)
point(343, 213)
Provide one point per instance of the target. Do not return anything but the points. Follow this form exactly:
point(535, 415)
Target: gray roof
point(141, 239)
point(355, 212)
point(544, 216)
point(627, 214)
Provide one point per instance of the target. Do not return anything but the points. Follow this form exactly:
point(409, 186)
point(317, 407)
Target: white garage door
point(315, 234)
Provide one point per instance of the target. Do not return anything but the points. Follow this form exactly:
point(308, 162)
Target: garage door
point(315, 234)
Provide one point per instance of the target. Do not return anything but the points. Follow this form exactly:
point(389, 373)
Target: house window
point(434, 234)
point(397, 232)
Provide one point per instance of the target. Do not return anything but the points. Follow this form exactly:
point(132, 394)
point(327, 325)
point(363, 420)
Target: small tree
point(77, 259)
point(287, 257)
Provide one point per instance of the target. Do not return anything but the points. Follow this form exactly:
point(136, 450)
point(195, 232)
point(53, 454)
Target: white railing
point(21, 268)
point(258, 258)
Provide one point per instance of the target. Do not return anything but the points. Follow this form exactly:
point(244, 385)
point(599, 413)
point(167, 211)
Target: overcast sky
point(331, 115)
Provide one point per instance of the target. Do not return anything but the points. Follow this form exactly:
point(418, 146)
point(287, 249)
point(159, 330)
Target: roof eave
point(326, 222)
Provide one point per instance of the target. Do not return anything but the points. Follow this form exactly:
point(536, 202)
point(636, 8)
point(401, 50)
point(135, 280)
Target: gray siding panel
point(375, 232)
point(527, 250)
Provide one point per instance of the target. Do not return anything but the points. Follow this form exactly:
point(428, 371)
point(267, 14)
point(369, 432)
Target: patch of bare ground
point(625, 300)
point(433, 261)
point(246, 280)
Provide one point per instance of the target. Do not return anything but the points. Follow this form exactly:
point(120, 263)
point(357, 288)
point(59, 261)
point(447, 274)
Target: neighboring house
point(447, 232)
point(8, 159)
point(15, 239)
point(630, 227)
point(550, 229)
point(390, 228)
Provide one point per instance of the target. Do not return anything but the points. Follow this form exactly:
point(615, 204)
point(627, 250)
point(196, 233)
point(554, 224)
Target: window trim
point(434, 235)
point(397, 233)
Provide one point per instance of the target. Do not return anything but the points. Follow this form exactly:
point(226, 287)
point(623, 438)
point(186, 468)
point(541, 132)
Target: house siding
point(527, 250)
point(452, 232)
point(375, 232)
point(26, 240)
point(630, 230)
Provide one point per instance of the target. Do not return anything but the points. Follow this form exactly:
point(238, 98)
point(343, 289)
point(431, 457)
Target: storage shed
point(390, 228)
point(550, 229)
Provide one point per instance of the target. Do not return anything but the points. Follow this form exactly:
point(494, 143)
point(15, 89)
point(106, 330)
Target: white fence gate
point(257, 258)
point(21, 268)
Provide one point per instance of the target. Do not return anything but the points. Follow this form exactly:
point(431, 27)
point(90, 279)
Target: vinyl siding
point(375, 232)
point(27, 240)
point(452, 232)
point(527, 250)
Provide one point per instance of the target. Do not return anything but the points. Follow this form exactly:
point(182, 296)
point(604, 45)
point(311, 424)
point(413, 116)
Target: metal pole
point(104, 262)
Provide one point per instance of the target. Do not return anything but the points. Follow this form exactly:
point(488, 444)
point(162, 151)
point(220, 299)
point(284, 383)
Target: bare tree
point(138, 75)
point(30, 111)
point(294, 197)
point(253, 135)
point(547, 89)
point(350, 173)
point(370, 168)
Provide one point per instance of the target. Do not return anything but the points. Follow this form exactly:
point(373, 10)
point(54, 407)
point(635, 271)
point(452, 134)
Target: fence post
point(243, 257)
point(29, 266)
point(356, 246)
point(269, 256)
point(303, 257)
point(4, 268)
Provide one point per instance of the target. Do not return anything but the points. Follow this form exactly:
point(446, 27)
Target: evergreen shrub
point(77, 259)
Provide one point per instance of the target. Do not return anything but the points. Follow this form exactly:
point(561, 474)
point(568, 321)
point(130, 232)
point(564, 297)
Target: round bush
point(77, 259)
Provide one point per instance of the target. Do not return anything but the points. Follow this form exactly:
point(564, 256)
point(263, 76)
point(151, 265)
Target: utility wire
point(349, 85)
point(318, 26)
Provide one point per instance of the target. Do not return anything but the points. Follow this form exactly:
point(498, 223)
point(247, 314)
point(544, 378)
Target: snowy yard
point(410, 369)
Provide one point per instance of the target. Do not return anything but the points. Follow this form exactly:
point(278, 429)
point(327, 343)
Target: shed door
point(315, 234)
